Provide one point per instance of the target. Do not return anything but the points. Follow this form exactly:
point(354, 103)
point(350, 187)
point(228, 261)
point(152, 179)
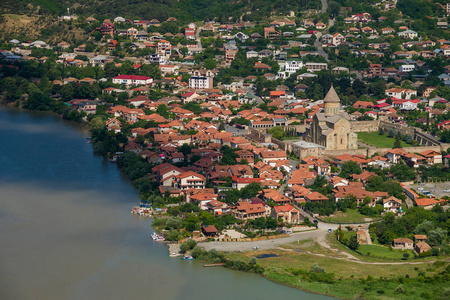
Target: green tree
point(348, 168)
point(437, 236)
point(277, 132)
point(353, 243)
point(210, 63)
point(251, 190)
point(398, 142)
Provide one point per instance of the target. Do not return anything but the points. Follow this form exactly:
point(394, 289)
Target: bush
point(316, 269)
point(198, 252)
point(400, 289)
point(184, 248)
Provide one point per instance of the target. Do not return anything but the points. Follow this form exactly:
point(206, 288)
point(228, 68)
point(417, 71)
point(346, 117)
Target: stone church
point(331, 128)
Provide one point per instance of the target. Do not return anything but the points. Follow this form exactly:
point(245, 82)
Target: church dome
point(331, 96)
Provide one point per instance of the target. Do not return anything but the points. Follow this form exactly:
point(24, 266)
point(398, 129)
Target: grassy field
point(383, 252)
point(351, 280)
point(379, 141)
point(350, 216)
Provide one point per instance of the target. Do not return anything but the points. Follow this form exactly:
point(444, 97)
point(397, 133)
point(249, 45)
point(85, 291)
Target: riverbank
point(308, 266)
point(76, 239)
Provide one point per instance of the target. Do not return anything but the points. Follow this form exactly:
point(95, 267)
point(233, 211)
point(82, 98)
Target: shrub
point(400, 289)
point(184, 248)
point(316, 269)
point(238, 264)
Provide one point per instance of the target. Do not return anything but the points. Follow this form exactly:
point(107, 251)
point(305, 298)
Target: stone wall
point(382, 151)
point(298, 128)
point(282, 145)
point(403, 129)
point(365, 126)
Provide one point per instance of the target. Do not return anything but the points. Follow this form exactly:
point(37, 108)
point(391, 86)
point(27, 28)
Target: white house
point(119, 20)
point(408, 34)
point(251, 54)
point(241, 36)
point(289, 68)
point(392, 204)
point(397, 93)
point(201, 79)
point(405, 104)
point(407, 68)
point(132, 80)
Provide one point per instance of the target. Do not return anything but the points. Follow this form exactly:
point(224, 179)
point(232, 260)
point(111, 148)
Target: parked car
point(426, 192)
point(422, 183)
point(447, 190)
point(330, 230)
point(420, 188)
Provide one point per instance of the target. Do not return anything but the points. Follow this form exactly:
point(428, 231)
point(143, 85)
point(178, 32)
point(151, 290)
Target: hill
point(183, 10)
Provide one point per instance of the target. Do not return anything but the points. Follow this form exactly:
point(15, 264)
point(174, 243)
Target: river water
point(66, 230)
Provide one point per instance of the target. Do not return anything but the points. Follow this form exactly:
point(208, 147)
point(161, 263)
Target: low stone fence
point(263, 238)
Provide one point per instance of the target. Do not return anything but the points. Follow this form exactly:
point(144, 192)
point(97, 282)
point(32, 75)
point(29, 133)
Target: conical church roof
point(331, 96)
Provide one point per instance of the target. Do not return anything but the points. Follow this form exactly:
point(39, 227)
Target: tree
point(210, 64)
point(353, 243)
point(184, 248)
point(97, 123)
point(277, 132)
point(185, 149)
point(437, 236)
point(397, 143)
point(251, 190)
point(425, 227)
point(348, 168)
point(391, 133)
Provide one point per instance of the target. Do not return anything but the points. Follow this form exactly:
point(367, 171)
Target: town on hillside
point(250, 127)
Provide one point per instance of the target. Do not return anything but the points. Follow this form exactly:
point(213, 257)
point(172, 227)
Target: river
point(66, 230)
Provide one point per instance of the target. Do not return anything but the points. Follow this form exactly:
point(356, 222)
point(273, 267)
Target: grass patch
point(379, 141)
point(383, 252)
point(351, 280)
point(350, 216)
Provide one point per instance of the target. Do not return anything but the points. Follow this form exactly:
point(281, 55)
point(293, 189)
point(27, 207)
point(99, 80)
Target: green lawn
point(379, 141)
point(383, 252)
point(350, 216)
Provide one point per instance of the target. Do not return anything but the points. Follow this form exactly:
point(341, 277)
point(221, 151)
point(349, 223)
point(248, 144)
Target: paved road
point(318, 45)
point(317, 42)
point(324, 6)
point(258, 99)
point(263, 245)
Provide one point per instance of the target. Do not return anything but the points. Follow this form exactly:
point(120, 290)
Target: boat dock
point(214, 265)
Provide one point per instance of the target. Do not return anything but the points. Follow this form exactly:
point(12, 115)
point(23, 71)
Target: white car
point(447, 190)
point(420, 188)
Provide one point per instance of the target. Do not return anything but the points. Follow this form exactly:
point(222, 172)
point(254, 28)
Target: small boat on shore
point(142, 211)
point(157, 238)
point(187, 257)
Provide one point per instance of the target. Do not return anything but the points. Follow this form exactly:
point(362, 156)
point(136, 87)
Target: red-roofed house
point(287, 214)
point(189, 180)
point(426, 203)
point(432, 156)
